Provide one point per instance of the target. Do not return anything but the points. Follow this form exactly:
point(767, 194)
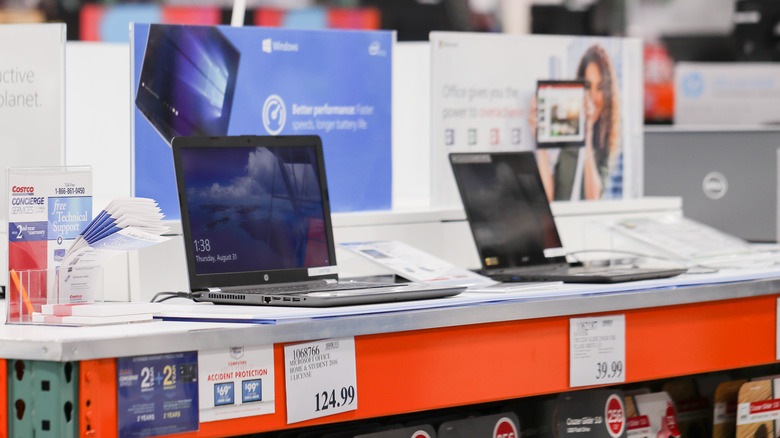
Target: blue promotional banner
point(213, 81)
point(157, 394)
point(69, 216)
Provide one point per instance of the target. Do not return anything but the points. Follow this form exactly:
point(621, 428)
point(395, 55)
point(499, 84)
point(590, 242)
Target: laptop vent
point(226, 296)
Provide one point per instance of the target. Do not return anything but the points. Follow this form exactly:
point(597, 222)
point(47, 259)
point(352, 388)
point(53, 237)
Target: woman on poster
point(598, 161)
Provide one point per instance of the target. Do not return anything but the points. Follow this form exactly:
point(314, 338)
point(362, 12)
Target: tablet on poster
point(206, 80)
point(560, 113)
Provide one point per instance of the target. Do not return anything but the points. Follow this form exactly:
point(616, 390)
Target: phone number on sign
point(70, 191)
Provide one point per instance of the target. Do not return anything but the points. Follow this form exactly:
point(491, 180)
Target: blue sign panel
point(252, 390)
point(69, 216)
point(28, 231)
point(157, 394)
point(224, 394)
point(214, 81)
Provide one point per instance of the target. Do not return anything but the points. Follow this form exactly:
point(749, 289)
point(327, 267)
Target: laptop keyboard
point(290, 289)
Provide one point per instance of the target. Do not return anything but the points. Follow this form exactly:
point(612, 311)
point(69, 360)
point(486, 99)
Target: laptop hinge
point(261, 286)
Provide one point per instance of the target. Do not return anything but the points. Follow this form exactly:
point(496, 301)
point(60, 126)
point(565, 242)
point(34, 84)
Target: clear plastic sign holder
point(29, 291)
point(599, 246)
point(47, 208)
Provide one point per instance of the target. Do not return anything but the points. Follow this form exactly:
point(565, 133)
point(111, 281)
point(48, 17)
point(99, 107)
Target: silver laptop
point(727, 179)
point(513, 226)
point(257, 229)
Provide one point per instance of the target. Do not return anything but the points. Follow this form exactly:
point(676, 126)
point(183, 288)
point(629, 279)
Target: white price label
point(597, 350)
point(321, 379)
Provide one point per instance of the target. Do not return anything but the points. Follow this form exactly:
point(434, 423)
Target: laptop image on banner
point(513, 226)
point(257, 229)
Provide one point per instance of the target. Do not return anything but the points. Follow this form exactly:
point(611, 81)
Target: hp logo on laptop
point(274, 114)
point(265, 277)
point(715, 185)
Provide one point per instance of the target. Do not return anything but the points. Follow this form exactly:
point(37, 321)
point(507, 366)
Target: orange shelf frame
point(429, 369)
point(97, 398)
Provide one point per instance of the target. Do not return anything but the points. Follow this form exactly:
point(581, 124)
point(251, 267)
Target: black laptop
point(256, 223)
point(513, 226)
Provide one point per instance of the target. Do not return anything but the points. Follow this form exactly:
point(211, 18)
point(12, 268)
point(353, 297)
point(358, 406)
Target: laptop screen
point(506, 206)
point(253, 206)
point(187, 80)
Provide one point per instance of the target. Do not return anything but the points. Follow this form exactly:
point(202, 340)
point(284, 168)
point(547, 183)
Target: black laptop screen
point(507, 209)
point(254, 208)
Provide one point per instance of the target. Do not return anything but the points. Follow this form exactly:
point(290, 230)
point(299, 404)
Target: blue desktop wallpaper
point(188, 81)
point(335, 84)
point(254, 209)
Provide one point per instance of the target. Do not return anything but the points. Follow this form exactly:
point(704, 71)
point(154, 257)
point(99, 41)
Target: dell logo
point(715, 185)
point(265, 277)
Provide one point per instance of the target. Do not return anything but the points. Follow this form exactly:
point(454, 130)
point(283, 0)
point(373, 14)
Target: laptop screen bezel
point(235, 279)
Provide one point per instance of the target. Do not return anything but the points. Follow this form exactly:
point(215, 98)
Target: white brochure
point(416, 265)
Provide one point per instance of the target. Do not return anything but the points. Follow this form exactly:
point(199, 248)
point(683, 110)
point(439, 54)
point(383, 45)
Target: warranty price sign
point(157, 394)
point(321, 379)
point(597, 350)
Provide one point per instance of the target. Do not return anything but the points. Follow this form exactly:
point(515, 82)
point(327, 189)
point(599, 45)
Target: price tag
point(597, 350)
point(321, 379)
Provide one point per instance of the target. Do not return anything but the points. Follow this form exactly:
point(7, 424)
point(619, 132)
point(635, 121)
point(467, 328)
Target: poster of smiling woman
point(576, 101)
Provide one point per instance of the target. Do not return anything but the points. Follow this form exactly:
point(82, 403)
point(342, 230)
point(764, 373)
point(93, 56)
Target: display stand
point(436, 358)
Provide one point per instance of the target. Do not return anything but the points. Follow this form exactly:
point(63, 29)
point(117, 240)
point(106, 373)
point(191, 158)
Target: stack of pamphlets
point(125, 224)
point(95, 313)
